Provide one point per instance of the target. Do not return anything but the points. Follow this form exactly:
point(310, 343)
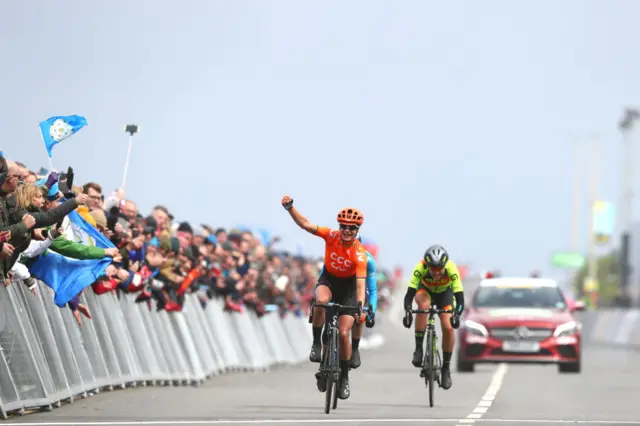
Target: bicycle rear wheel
point(429, 367)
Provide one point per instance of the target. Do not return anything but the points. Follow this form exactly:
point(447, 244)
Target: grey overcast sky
point(445, 121)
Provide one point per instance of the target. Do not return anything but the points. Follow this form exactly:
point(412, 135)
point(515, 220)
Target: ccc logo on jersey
point(340, 263)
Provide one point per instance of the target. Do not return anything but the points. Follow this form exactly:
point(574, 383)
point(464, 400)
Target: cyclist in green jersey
point(435, 280)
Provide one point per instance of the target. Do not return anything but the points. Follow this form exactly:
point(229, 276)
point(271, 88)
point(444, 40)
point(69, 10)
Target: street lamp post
point(592, 285)
point(578, 180)
point(626, 126)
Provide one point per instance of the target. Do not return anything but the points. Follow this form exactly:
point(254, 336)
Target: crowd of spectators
point(155, 258)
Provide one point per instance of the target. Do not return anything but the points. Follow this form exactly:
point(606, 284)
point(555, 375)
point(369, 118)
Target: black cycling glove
point(455, 321)
point(287, 206)
point(407, 320)
point(370, 321)
point(455, 318)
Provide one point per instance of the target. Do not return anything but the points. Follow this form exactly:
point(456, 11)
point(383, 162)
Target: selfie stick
point(132, 129)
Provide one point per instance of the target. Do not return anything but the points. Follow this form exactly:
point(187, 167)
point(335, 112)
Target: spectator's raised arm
point(56, 214)
point(80, 251)
point(114, 199)
point(19, 228)
point(36, 248)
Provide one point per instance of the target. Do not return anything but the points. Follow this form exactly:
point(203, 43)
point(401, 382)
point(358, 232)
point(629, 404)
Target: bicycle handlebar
point(331, 304)
point(431, 310)
point(341, 308)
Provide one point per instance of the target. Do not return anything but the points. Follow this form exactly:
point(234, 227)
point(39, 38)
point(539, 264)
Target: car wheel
point(573, 367)
point(464, 366)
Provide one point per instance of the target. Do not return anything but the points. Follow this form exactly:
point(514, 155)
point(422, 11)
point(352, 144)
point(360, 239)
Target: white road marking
point(227, 422)
point(488, 397)
point(312, 421)
point(549, 421)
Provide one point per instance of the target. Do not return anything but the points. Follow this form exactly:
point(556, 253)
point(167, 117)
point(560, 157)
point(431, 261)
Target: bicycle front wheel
point(336, 382)
point(429, 367)
point(328, 380)
point(332, 364)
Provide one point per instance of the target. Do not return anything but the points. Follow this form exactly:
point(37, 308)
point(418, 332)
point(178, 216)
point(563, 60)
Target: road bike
point(330, 363)
point(432, 363)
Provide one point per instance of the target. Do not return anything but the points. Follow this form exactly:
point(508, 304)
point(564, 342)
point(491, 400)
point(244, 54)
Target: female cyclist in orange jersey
point(342, 282)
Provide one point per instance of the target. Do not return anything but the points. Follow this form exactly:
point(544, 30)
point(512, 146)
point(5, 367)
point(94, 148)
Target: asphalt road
point(385, 390)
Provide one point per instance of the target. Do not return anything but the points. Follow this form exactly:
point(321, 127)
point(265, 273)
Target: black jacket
point(21, 241)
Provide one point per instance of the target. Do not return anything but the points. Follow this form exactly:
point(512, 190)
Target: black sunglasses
point(349, 227)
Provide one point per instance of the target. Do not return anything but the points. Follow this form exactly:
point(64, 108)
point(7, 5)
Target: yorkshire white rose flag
point(58, 128)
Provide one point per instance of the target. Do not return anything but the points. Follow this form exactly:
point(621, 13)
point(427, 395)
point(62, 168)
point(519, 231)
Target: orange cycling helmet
point(351, 216)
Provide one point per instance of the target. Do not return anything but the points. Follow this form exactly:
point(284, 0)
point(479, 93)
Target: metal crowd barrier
point(611, 327)
point(47, 359)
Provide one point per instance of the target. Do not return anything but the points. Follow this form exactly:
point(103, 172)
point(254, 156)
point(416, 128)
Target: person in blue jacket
point(371, 298)
point(369, 318)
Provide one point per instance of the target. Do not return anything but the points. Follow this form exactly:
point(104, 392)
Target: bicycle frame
point(432, 362)
point(333, 343)
point(330, 361)
point(332, 313)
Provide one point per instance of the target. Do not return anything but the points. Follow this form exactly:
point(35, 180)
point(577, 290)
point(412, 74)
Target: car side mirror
point(578, 306)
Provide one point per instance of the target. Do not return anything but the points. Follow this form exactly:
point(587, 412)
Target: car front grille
point(521, 333)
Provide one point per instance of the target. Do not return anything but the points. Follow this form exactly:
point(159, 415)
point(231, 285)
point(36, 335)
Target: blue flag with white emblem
point(56, 129)
point(68, 277)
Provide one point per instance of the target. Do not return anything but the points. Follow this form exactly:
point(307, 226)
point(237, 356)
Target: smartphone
point(131, 129)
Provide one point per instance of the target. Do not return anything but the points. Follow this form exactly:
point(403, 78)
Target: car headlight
point(566, 329)
point(476, 328)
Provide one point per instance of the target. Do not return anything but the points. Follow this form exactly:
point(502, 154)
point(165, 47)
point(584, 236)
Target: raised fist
point(287, 202)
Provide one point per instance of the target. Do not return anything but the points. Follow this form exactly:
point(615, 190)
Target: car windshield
point(519, 297)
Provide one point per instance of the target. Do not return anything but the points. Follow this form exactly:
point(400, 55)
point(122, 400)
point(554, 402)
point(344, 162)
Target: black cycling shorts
point(443, 300)
point(343, 290)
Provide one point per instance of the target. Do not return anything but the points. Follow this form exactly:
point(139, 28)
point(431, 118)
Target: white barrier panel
point(48, 359)
point(615, 327)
